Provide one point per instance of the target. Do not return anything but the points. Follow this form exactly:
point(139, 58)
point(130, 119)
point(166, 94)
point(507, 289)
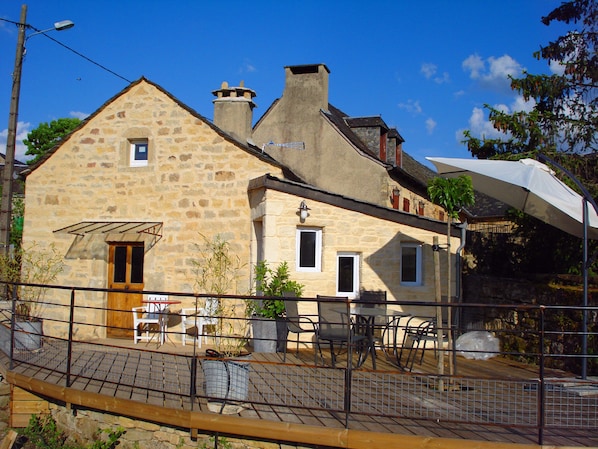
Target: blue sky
point(427, 67)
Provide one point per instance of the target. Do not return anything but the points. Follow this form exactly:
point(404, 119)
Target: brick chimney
point(233, 110)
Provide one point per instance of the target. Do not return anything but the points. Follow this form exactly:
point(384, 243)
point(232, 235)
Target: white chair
point(189, 319)
point(205, 316)
point(153, 313)
point(143, 322)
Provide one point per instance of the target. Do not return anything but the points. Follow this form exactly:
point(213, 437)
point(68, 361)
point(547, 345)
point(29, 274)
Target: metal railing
point(75, 347)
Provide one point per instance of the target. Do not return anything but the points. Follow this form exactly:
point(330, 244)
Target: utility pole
point(9, 158)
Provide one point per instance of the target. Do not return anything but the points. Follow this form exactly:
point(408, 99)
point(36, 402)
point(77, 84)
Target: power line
point(88, 59)
point(70, 49)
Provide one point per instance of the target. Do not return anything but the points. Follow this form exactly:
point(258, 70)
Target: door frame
point(356, 273)
point(119, 316)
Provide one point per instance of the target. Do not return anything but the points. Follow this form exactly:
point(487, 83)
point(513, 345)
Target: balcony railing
point(513, 387)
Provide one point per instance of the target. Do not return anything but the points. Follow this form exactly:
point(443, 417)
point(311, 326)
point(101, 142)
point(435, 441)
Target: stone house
point(128, 195)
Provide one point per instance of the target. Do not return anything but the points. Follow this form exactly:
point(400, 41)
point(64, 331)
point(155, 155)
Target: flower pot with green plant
point(32, 264)
point(225, 371)
point(268, 319)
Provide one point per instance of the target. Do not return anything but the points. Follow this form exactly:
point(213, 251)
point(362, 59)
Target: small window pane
point(307, 251)
point(409, 264)
point(120, 264)
point(346, 274)
point(137, 265)
point(141, 151)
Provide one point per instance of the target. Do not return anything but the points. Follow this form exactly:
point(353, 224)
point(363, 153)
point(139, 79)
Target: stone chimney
point(307, 86)
point(233, 110)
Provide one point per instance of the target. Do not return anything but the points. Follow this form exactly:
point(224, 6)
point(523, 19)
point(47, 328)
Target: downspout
point(463, 227)
point(459, 315)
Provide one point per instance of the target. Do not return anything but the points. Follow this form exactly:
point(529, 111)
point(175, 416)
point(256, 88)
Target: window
point(411, 264)
point(309, 249)
point(139, 152)
point(405, 205)
point(347, 278)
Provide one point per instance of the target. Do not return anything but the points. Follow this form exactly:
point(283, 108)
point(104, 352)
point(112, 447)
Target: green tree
point(40, 140)
point(452, 194)
point(565, 115)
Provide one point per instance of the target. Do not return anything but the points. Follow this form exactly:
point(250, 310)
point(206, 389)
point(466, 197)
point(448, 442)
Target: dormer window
point(139, 153)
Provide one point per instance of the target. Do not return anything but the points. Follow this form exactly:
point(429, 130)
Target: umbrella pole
point(587, 198)
point(584, 328)
point(438, 294)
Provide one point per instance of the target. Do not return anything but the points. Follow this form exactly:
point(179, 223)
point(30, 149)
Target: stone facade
point(195, 182)
point(198, 181)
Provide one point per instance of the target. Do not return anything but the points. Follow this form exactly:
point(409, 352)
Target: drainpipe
point(463, 227)
point(458, 315)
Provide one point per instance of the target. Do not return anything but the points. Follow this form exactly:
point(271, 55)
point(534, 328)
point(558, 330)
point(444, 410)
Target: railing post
point(349, 370)
point(542, 389)
point(69, 353)
point(194, 361)
point(12, 323)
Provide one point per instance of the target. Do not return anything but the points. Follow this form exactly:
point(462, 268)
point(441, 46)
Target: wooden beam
point(252, 428)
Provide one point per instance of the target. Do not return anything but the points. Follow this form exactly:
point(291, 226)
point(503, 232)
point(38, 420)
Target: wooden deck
point(494, 401)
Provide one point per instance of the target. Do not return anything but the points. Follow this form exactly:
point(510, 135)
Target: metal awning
point(153, 228)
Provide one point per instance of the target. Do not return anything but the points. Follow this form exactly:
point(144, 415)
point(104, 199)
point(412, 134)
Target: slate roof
point(412, 174)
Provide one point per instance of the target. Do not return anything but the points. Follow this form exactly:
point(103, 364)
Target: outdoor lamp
point(303, 211)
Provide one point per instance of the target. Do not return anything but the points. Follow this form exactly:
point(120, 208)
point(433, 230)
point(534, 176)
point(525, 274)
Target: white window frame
point(318, 249)
point(418, 264)
point(138, 162)
point(356, 275)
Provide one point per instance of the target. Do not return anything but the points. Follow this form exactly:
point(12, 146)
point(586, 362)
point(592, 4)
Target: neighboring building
point(128, 195)
point(359, 157)
point(18, 187)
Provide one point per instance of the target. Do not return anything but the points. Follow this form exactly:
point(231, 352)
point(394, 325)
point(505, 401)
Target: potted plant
point(225, 371)
point(269, 326)
point(29, 265)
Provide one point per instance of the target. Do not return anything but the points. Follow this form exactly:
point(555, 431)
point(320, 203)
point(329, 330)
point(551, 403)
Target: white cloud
point(79, 115)
point(474, 65)
point(556, 67)
point(481, 127)
point(430, 125)
point(428, 70)
point(412, 106)
point(492, 73)
point(23, 128)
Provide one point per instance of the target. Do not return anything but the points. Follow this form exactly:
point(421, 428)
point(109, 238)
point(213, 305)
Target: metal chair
point(334, 326)
point(297, 324)
point(415, 338)
point(375, 298)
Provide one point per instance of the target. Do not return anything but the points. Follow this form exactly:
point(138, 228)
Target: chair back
point(292, 313)
point(331, 322)
point(372, 298)
point(155, 303)
point(211, 311)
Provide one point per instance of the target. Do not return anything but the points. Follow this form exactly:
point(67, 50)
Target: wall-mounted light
point(303, 211)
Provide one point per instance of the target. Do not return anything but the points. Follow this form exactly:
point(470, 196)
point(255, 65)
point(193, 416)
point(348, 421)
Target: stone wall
point(518, 329)
point(83, 425)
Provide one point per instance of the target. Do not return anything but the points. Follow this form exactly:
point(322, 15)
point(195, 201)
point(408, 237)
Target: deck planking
point(163, 379)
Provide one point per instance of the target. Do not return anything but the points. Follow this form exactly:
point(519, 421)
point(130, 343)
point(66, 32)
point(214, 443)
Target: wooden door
point(125, 272)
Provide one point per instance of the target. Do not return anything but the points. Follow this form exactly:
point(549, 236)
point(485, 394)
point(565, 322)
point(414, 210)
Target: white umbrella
point(532, 187)
point(527, 185)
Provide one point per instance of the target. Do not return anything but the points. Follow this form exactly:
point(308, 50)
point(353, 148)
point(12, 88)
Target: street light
point(9, 159)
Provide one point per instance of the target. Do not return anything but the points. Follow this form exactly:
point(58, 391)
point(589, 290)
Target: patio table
point(365, 323)
point(162, 307)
